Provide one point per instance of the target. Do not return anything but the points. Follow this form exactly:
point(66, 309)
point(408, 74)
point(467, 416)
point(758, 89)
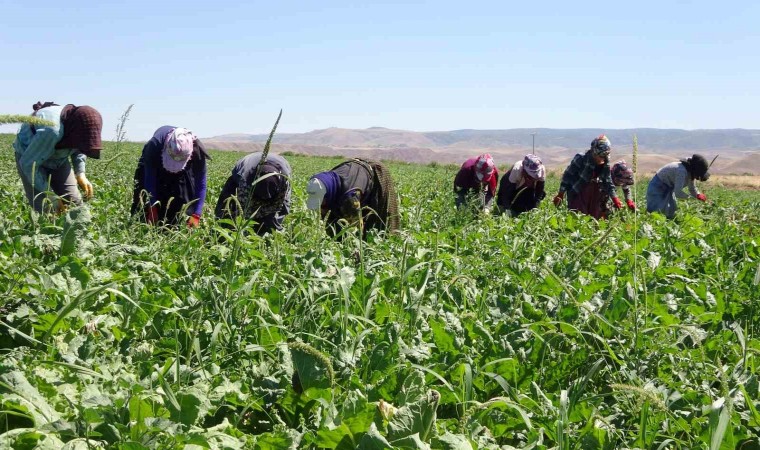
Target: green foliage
point(74, 235)
point(546, 331)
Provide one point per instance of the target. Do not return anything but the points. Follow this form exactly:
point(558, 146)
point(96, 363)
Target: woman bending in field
point(668, 184)
point(522, 188)
point(477, 177)
point(622, 176)
point(52, 157)
point(170, 179)
point(262, 196)
point(355, 189)
point(588, 183)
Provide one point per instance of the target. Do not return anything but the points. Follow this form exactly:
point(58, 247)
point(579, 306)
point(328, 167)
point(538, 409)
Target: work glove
point(194, 221)
point(558, 199)
point(60, 206)
point(631, 205)
point(702, 197)
point(85, 185)
point(151, 215)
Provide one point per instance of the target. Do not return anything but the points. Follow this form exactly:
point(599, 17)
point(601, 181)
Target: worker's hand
point(194, 221)
point(618, 204)
point(60, 206)
point(702, 197)
point(85, 185)
point(631, 205)
point(151, 215)
point(558, 199)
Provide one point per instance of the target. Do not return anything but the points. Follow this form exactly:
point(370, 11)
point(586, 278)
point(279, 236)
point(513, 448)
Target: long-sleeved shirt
point(36, 150)
point(157, 181)
point(354, 175)
point(245, 169)
point(627, 193)
point(513, 182)
point(467, 180)
point(676, 176)
point(377, 199)
point(241, 180)
point(583, 169)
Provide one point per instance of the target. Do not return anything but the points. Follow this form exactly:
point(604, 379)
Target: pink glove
point(617, 203)
point(702, 197)
point(631, 205)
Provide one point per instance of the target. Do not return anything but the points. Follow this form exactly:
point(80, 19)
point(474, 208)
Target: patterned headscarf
point(178, 149)
point(534, 167)
point(622, 175)
point(484, 167)
point(601, 146)
point(268, 195)
point(82, 126)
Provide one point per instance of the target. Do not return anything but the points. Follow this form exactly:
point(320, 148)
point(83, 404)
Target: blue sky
point(220, 68)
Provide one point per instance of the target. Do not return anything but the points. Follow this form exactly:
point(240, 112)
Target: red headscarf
point(486, 171)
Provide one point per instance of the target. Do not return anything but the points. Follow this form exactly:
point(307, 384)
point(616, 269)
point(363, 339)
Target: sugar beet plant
point(548, 331)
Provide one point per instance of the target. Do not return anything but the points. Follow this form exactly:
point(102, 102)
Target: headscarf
point(622, 175)
point(697, 167)
point(485, 171)
point(331, 181)
point(82, 126)
point(601, 146)
point(271, 186)
point(484, 167)
point(533, 166)
point(268, 195)
point(178, 149)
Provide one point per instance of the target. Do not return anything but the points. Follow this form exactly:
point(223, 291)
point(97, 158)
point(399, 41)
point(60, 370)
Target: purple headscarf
point(331, 180)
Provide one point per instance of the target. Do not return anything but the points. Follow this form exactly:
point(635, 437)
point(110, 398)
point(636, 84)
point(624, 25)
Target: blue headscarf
point(332, 183)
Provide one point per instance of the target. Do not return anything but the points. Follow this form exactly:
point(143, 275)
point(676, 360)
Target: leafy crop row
point(547, 331)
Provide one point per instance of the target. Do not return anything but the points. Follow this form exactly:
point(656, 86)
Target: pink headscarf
point(484, 167)
point(178, 149)
point(485, 171)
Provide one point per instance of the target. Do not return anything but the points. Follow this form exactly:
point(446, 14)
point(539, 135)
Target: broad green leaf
point(29, 439)
point(189, 408)
point(17, 389)
point(74, 238)
point(281, 440)
point(412, 442)
point(373, 440)
point(417, 417)
point(314, 369)
point(413, 388)
point(450, 441)
point(334, 438)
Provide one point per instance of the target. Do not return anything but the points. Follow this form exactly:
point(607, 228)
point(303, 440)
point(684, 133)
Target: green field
point(549, 331)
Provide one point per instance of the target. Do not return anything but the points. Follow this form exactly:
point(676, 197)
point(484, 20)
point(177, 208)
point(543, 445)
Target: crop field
point(550, 331)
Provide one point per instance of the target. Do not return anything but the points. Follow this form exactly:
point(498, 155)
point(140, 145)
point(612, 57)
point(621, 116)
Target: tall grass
point(8, 119)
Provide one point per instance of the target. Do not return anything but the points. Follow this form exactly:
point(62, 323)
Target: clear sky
point(217, 67)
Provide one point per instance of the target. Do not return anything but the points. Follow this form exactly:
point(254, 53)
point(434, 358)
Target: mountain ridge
point(739, 148)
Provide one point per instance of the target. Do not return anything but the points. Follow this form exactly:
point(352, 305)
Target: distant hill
point(739, 149)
